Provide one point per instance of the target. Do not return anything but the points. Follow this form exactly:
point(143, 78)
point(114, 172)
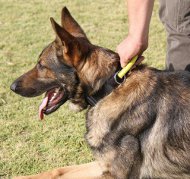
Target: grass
point(28, 145)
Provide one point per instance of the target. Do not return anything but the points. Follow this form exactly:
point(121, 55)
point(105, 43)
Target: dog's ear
point(62, 36)
point(69, 43)
point(70, 24)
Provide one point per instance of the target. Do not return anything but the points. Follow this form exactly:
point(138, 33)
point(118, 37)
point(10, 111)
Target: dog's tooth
point(53, 97)
point(57, 90)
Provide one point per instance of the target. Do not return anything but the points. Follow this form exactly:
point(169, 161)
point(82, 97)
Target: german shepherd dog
point(138, 129)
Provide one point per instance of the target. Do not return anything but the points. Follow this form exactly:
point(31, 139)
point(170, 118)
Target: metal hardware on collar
point(119, 77)
point(119, 80)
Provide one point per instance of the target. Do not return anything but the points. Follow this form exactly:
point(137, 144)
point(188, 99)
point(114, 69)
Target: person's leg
point(175, 15)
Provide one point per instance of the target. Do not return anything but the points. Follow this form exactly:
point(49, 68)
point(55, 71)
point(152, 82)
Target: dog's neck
point(111, 84)
point(97, 73)
point(106, 89)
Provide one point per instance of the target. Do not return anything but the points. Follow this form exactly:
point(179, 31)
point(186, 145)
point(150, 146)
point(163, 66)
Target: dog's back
point(144, 124)
point(165, 145)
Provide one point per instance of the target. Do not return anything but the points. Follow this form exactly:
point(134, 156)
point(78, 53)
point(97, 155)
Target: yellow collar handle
point(126, 69)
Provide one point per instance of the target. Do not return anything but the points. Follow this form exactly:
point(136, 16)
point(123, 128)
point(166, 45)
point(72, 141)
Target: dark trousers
point(175, 15)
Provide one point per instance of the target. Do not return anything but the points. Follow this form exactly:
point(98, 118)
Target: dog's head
point(68, 68)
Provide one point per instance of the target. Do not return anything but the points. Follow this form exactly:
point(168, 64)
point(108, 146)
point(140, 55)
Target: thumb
point(122, 64)
point(124, 61)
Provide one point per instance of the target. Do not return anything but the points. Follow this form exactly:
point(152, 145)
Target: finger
point(122, 65)
point(124, 62)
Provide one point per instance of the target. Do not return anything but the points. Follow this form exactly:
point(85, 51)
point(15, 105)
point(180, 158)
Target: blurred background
point(28, 145)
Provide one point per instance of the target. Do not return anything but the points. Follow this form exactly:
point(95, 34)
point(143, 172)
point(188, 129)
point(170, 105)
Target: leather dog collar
point(111, 83)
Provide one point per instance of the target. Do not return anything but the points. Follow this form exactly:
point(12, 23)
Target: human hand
point(130, 47)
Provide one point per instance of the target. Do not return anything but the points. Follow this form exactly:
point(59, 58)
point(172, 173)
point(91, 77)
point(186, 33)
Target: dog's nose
point(14, 87)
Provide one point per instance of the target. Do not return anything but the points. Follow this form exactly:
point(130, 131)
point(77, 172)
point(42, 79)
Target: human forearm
point(139, 15)
point(136, 42)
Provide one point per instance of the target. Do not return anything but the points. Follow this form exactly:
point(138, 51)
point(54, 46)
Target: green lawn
point(28, 145)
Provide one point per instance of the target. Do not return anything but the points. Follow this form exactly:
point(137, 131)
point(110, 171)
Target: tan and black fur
point(140, 130)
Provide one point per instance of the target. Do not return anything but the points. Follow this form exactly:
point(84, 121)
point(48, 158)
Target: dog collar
point(111, 83)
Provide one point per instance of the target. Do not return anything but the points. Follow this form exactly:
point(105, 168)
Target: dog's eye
point(40, 66)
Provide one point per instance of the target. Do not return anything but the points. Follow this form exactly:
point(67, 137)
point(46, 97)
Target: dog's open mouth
point(53, 99)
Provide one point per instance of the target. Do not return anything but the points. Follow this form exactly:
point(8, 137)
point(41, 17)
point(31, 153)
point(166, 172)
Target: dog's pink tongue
point(42, 106)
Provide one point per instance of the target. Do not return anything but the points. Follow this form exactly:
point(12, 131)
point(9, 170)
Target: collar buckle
point(119, 80)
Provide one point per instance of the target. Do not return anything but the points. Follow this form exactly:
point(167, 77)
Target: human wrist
point(139, 39)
